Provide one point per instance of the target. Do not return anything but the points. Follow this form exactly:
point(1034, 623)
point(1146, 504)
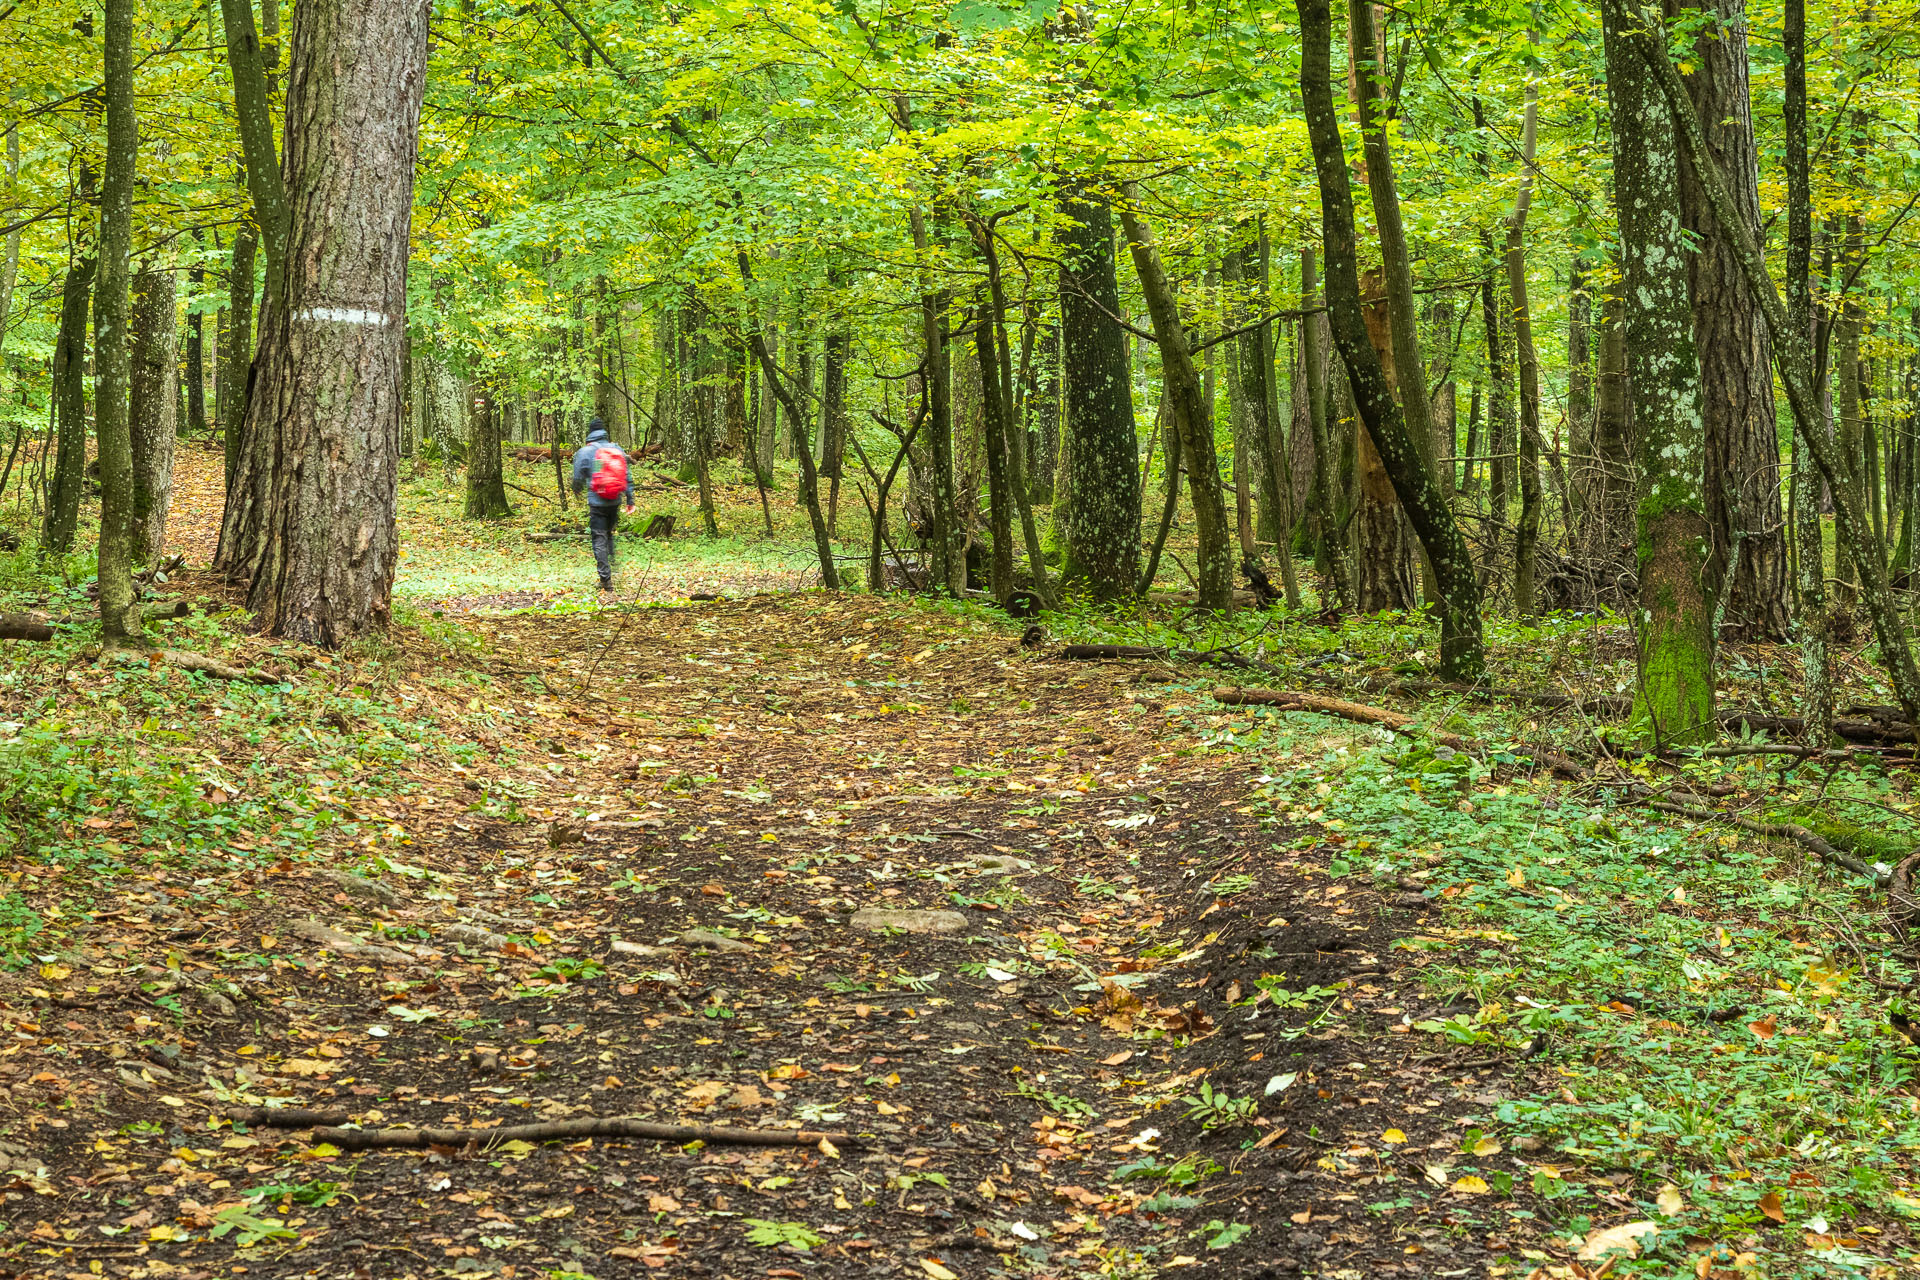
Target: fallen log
point(23, 626)
point(586, 1127)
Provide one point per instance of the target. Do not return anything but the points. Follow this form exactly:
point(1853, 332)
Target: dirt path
point(647, 904)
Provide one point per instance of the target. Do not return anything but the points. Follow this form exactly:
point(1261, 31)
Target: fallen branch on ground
point(285, 1117)
point(23, 626)
point(530, 493)
point(1361, 713)
point(573, 1130)
point(1111, 652)
point(1808, 840)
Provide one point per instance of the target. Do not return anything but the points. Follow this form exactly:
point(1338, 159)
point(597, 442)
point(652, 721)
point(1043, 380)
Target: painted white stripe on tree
point(342, 315)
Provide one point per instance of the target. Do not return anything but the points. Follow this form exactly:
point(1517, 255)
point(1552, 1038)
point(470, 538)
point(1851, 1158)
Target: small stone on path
point(714, 941)
point(908, 920)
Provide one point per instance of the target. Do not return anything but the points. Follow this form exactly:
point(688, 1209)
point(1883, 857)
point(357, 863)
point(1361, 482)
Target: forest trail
point(761, 770)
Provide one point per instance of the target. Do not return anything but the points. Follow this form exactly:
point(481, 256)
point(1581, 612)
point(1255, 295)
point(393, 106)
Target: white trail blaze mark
point(342, 315)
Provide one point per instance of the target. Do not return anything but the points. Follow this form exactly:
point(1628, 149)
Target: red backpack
point(609, 472)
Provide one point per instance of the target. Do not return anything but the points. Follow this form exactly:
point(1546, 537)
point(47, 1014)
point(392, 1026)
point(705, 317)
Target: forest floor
point(1213, 989)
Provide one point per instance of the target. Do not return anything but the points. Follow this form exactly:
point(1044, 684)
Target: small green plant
point(249, 1228)
point(1224, 1235)
point(1285, 999)
point(316, 1194)
point(1218, 1109)
point(1061, 1104)
point(1227, 886)
point(772, 1235)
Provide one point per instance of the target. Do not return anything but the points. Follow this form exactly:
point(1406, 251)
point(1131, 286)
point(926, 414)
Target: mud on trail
point(1070, 999)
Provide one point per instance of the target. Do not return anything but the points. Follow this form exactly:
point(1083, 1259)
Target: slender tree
point(1191, 413)
point(1462, 652)
point(153, 406)
point(70, 399)
point(119, 618)
point(1103, 488)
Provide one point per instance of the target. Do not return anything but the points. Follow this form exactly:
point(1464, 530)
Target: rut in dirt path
point(823, 864)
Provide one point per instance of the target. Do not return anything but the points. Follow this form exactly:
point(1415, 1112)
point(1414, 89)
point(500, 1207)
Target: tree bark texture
point(153, 408)
point(1610, 477)
point(999, 499)
point(314, 532)
point(1674, 699)
point(1043, 411)
point(70, 404)
point(1527, 534)
point(236, 353)
point(486, 481)
point(1579, 369)
point(1383, 569)
point(196, 356)
point(1749, 550)
point(10, 255)
point(253, 110)
point(1103, 511)
point(112, 371)
point(1330, 555)
point(1191, 416)
point(1462, 654)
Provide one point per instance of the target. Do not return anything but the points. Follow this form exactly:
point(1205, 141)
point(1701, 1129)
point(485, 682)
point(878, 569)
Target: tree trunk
point(1611, 478)
point(253, 110)
point(949, 566)
point(486, 487)
point(236, 376)
point(1240, 409)
point(1192, 415)
point(766, 404)
point(1749, 550)
point(1043, 411)
point(318, 543)
point(833, 410)
point(10, 255)
point(1330, 555)
point(1102, 524)
point(999, 500)
point(1276, 471)
point(1673, 702)
point(112, 371)
point(1527, 535)
point(196, 359)
point(1383, 574)
point(1579, 378)
point(1462, 654)
point(152, 409)
point(70, 404)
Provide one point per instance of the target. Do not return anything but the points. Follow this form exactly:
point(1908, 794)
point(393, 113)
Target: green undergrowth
point(1700, 1003)
point(111, 768)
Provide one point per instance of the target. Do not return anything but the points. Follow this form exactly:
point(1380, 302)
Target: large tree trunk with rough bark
point(1330, 554)
point(153, 408)
point(1674, 698)
point(1749, 549)
point(1103, 508)
point(314, 531)
point(486, 487)
point(1462, 653)
point(1382, 563)
point(119, 618)
point(69, 404)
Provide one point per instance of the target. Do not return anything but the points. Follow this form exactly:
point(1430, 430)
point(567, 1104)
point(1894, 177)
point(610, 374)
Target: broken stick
point(587, 1127)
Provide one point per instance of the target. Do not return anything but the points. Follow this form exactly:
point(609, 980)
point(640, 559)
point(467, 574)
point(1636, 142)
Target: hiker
point(600, 471)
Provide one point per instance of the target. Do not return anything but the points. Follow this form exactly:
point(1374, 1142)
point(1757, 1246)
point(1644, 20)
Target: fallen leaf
point(1394, 1138)
point(1670, 1202)
point(1469, 1184)
point(1115, 1059)
point(1770, 1206)
point(1624, 1238)
point(935, 1270)
point(1765, 1027)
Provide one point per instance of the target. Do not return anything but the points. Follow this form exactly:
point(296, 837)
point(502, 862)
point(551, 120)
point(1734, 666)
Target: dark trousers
point(601, 522)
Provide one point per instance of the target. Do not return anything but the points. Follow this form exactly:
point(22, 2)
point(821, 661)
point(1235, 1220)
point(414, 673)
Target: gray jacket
point(583, 472)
